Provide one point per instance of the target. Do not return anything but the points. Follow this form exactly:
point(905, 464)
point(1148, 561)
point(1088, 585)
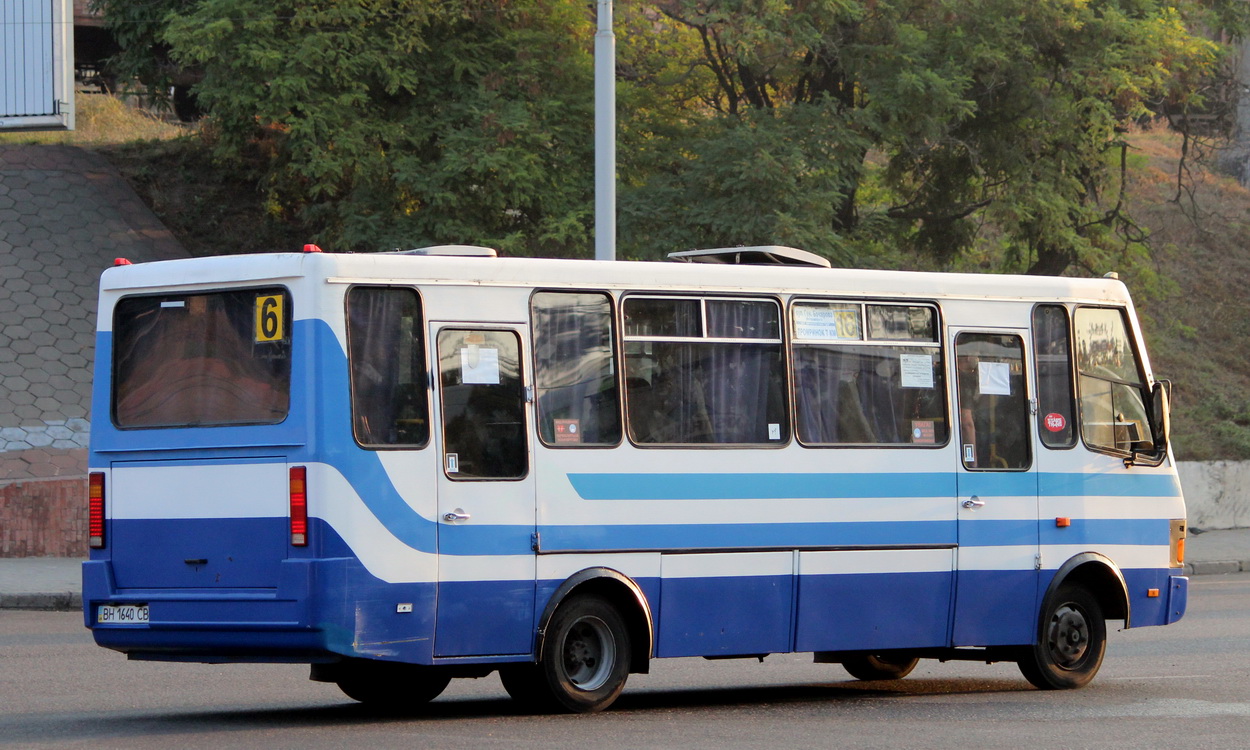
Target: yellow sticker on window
point(269, 317)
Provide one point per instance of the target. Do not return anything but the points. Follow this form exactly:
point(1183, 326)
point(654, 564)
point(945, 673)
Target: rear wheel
point(392, 686)
point(875, 667)
point(585, 660)
point(1071, 644)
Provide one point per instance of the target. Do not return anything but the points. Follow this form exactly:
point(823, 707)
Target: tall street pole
point(605, 135)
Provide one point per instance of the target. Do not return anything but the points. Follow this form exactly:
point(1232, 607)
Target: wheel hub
point(589, 651)
point(1068, 636)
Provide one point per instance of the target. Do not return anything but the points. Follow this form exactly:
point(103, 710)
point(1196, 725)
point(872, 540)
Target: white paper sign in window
point(916, 370)
point(994, 378)
point(479, 365)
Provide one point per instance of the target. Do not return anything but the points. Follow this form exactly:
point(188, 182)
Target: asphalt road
point(1186, 685)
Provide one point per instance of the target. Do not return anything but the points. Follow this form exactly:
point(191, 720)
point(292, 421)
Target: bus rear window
point(192, 360)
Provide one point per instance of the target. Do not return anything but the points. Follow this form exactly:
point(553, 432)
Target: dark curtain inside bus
point(577, 396)
point(722, 392)
point(389, 395)
point(858, 395)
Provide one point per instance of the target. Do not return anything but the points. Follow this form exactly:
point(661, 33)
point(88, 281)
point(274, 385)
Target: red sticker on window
point(1055, 422)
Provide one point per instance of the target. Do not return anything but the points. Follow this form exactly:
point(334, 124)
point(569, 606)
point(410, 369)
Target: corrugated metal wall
point(26, 58)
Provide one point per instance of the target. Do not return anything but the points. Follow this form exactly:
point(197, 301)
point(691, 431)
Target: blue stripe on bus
point(746, 535)
point(839, 486)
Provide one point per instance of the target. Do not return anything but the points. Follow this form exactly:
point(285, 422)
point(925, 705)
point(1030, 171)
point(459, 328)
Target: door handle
point(973, 502)
point(455, 515)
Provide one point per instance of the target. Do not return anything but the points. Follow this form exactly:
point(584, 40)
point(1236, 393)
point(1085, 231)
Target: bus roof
point(437, 269)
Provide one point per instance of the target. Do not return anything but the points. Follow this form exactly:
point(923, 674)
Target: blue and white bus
point(402, 468)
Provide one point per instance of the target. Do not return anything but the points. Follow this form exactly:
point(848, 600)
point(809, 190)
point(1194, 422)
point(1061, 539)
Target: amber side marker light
point(1177, 538)
point(299, 506)
point(1063, 523)
point(1152, 593)
point(95, 510)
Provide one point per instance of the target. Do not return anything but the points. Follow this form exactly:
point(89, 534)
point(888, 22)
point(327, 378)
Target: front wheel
point(1071, 644)
point(585, 660)
point(874, 667)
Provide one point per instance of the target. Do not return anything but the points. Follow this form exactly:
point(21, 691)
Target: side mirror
point(1161, 414)
point(1160, 427)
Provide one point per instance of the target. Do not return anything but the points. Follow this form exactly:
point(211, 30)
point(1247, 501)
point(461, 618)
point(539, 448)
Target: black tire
point(584, 663)
point(527, 687)
point(392, 686)
point(875, 667)
point(1071, 643)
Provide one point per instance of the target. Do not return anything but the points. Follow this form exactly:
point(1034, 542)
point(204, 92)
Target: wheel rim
point(1068, 637)
point(589, 653)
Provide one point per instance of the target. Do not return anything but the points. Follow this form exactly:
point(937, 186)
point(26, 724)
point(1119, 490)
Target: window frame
point(1143, 387)
point(289, 329)
point(939, 342)
point(1027, 400)
point(420, 327)
point(1073, 395)
point(703, 298)
point(525, 411)
point(614, 342)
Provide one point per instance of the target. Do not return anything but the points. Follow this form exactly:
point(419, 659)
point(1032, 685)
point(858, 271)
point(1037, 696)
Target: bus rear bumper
point(271, 625)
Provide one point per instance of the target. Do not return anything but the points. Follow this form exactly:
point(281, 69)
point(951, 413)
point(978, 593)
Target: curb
point(1209, 567)
point(66, 601)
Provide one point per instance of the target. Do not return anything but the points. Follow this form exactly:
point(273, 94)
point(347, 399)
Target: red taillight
point(299, 506)
point(95, 510)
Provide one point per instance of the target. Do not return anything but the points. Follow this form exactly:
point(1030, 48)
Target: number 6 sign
point(269, 318)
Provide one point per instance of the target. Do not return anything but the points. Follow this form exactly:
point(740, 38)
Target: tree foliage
point(921, 123)
point(392, 123)
point(860, 129)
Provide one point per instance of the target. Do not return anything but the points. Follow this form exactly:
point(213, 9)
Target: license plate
point(122, 614)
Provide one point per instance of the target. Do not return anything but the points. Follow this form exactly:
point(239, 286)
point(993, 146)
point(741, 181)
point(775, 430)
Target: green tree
point(393, 123)
point(856, 126)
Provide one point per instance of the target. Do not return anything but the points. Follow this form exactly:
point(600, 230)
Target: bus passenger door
point(486, 562)
point(996, 579)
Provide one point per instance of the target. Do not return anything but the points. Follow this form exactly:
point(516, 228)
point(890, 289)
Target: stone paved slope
point(65, 214)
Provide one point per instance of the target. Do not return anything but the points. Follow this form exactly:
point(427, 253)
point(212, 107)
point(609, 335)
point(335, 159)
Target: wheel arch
point(625, 594)
point(1101, 577)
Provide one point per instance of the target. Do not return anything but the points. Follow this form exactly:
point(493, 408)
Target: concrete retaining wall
point(1217, 493)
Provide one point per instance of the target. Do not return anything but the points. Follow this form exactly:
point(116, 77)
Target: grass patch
point(102, 119)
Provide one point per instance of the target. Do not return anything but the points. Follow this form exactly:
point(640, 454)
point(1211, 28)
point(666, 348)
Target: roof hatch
point(762, 255)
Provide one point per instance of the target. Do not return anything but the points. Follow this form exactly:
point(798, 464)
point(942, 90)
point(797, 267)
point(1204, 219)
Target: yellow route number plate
point(269, 317)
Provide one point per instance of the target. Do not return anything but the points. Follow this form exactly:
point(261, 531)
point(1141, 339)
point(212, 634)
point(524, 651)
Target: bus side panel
point(1124, 514)
point(725, 604)
point(874, 599)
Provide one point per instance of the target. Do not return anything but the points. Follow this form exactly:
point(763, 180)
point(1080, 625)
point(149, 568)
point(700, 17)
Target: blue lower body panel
point(725, 616)
point(873, 611)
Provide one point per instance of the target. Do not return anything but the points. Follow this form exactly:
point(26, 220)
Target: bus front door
point(485, 494)
point(996, 579)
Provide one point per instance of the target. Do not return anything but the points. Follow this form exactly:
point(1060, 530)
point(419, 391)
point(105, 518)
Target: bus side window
point(483, 404)
point(1052, 344)
point(993, 401)
point(1113, 412)
point(386, 351)
point(574, 369)
point(705, 371)
point(868, 374)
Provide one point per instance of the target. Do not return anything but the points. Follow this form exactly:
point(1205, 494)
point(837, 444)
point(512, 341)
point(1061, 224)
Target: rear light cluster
point(299, 506)
point(95, 510)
